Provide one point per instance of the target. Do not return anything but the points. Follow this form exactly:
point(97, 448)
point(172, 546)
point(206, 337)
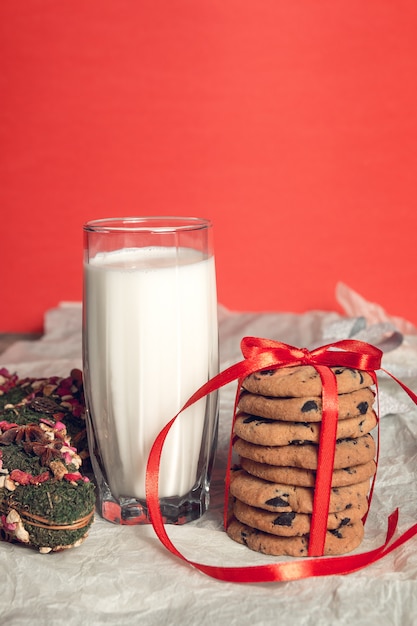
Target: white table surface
point(123, 575)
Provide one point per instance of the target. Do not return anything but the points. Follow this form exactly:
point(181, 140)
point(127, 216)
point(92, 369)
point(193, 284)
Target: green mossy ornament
point(45, 500)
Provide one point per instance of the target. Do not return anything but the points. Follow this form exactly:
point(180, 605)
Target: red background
point(292, 125)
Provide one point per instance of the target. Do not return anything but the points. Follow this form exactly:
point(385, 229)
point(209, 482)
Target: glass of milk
point(150, 340)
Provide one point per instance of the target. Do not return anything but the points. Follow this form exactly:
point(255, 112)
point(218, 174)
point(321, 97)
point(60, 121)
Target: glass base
point(133, 511)
point(174, 509)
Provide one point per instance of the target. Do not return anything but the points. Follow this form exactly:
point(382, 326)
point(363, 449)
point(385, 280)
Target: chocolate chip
point(277, 502)
point(353, 372)
point(253, 418)
point(267, 372)
point(363, 407)
point(310, 405)
point(284, 519)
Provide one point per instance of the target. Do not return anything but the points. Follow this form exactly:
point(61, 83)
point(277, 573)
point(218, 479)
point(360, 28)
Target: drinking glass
point(150, 340)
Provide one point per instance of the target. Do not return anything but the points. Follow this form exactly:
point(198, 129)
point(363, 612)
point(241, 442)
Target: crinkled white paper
point(123, 575)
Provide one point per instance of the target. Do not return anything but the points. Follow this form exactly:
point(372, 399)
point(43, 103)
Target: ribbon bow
point(346, 353)
point(263, 354)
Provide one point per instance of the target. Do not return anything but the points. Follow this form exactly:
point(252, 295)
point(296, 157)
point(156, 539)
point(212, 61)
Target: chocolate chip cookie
point(348, 452)
point(338, 541)
point(303, 381)
point(307, 478)
point(290, 523)
point(267, 432)
point(307, 408)
point(277, 497)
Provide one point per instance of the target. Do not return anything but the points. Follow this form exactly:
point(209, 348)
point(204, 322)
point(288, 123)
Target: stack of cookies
point(277, 432)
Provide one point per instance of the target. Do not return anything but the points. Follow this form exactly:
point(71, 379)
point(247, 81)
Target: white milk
point(151, 343)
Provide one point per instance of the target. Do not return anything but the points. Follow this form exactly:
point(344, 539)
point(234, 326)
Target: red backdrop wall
point(292, 125)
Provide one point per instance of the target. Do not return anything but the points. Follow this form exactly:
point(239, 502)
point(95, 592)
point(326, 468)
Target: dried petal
point(20, 477)
point(73, 477)
point(40, 478)
point(21, 533)
point(13, 517)
point(7, 425)
point(9, 484)
point(58, 469)
point(48, 389)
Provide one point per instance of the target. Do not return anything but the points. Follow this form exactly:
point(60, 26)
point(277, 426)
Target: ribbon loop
point(283, 353)
point(346, 353)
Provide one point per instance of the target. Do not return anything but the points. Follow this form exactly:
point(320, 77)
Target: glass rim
point(151, 224)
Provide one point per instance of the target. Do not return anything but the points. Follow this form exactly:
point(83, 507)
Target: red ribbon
point(261, 354)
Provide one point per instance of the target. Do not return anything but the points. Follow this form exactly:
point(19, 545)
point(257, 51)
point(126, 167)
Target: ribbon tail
point(412, 395)
point(300, 569)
